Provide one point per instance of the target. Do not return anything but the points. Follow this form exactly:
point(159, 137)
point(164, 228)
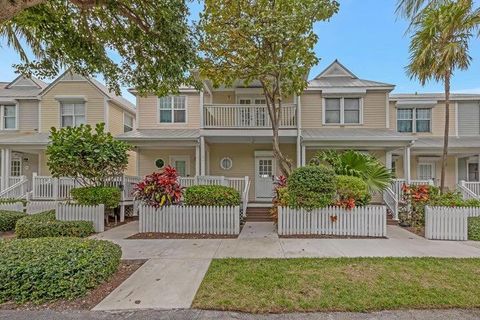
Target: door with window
point(181, 164)
point(264, 176)
point(472, 171)
point(252, 112)
point(426, 171)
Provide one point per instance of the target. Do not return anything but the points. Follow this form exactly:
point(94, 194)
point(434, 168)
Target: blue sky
point(366, 36)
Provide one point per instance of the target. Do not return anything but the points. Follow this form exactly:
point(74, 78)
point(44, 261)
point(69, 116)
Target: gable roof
point(22, 87)
point(336, 75)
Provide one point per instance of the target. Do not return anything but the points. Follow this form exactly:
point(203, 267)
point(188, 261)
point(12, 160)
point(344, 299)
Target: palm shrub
point(357, 164)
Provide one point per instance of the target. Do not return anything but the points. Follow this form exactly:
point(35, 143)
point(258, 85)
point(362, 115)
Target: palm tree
point(439, 46)
point(411, 8)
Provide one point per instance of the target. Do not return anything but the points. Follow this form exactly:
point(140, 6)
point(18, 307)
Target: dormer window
point(342, 111)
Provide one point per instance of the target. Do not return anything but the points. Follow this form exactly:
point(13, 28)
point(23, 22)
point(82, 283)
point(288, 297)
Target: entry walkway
point(176, 267)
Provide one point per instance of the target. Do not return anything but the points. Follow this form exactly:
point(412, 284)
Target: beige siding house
point(29, 108)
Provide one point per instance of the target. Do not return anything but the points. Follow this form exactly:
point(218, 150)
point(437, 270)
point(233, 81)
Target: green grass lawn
point(343, 284)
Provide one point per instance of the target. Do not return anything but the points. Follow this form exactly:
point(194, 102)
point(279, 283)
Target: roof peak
point(336, 69)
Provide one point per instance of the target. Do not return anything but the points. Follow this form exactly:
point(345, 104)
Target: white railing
point(473, 186)
point(17, 190)
point(245, 193)
point(246, 116)
point(368, 221)
point(235, 183)
point(466, 192)
point(75, 212)
point(391, 201)
point(190, 219)
point(447, 223)
point(397, 185)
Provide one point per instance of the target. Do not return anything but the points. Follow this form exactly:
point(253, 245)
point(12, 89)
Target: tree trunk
point(10, 9)
point(446, 132)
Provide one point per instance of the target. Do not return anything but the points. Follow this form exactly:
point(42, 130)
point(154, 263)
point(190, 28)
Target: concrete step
point(258, 214)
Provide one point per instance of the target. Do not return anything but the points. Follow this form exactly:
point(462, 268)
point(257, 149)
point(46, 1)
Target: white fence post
point(447, 223)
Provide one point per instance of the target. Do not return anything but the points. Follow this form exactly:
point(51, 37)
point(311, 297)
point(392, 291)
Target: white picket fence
point(14, 206)
point(190, 219)
point(368, 221)
point(75, 212)
point(447, 223)
point(32, 207)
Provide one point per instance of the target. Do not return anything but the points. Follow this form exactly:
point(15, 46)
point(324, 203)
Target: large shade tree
point(270, 41)
point(439, 46)
point(144, 44)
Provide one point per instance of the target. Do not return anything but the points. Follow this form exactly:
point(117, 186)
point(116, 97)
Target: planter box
point(368, 221)
point(190, 219)
point(447, 223)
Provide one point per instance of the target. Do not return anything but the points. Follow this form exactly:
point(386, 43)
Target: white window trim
point(414, 119)
point(225, 168)
point(71, 100)
point(430, 163)
point(173, 123)
point(2, 114)
point(125, 114)
point(181, 158)
point(342, 111)
point(19, 158)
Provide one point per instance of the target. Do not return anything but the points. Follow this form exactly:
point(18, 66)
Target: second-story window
point(127, 123)
point(9, 114)
point(342, 110)
point(172, 109)
point(72, 114)
point(414, 119)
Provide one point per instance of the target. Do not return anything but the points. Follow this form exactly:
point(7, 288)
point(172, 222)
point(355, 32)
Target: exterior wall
point(468, 119)
point(243, 159)
point(374, 110)
point(42, 165)
point(50, 107)
point(147, 157)
point(115, 119)
point(148, 114)
point(28, 115)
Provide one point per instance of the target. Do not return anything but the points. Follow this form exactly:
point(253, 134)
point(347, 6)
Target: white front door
point(264, 175)
point(182, 164)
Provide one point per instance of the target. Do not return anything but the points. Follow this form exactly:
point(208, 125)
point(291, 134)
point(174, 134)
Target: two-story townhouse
point(423, 116)
point(226, 131)
point(29, 108)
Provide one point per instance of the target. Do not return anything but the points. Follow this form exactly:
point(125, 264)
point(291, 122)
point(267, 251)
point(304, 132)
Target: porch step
point(258, 214)
point(390, 220)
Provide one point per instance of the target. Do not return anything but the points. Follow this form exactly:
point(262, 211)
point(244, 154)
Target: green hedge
point(92, 196)
point(311, 187)
point(8, 219)
point(350, 187)
point(211, 195)
point(474, 228)
point(45, 225)
point(44, 269)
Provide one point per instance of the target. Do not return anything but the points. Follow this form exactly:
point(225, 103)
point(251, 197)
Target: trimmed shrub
point(311, 187)
point(8, 219)
point(211, 195)
point(160, 188)
point(350, 187)
point(45, 269)
point(93, 196)
point(45, 225)
point(474, 228)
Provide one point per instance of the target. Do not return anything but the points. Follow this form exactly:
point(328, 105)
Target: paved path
point(451, 314)
point(176, 267)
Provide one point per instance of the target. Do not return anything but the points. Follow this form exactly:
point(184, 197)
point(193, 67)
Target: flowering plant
point(159, 188)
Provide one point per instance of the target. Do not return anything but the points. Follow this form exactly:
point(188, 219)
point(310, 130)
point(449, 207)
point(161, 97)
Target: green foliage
point(45, 269)
point(92, 157)
point(357, 164)
point(211, 195)
point(92, 196)
point(144, 44)
point(311, 187)
point(474, 228)
point(350, 187)
point(8, 219)
point(45, 225)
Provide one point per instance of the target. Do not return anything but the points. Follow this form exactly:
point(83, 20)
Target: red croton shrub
point(159, 188)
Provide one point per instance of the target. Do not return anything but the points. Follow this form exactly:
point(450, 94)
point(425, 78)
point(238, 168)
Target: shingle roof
point(433, 96)
point(160, 134)
point(354, 134)
point(24, 138)
point(10, 90)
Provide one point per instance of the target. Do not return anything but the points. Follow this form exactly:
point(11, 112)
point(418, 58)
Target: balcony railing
point(246, 116)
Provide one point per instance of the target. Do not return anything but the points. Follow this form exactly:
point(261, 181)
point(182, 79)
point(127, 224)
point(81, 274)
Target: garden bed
point(160, 235)
point(91, 299)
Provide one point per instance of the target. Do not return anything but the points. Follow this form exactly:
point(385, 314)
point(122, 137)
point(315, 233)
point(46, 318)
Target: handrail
point(391, 200)
point(17, 190)
point(245, 193)
point(466, 192)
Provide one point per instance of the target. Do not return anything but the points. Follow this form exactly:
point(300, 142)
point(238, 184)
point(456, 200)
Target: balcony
point(240, 116)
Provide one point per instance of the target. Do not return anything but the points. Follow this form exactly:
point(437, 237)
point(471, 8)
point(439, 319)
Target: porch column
point(478, 173)
point(299, 151)
point(304, 156)
point(406, 164)
point(388, 160)
point(197, 159)
point(2, 170)
point(202, 156)
point(6, 162)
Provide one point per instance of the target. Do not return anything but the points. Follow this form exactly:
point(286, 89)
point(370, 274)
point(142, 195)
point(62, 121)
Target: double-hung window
point(9, 117)
point(72, 114)
point(127, 123)
point(342, 110)
point(414, 119)
point(172, 109)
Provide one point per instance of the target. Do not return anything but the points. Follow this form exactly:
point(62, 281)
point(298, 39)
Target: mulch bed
point(324, 236)
point(159, 235)
point(94, 297)
point(7, 235)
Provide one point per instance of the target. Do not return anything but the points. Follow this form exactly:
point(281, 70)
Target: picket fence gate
point(447, 223)
point(76, 212)
point(190, 219)
point(368, 221)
